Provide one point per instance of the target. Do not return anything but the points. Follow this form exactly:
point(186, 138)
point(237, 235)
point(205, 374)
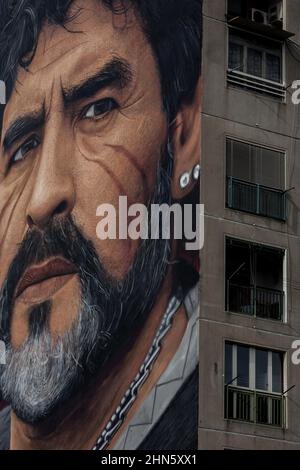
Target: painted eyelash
point(27, 142)
point(95, 103)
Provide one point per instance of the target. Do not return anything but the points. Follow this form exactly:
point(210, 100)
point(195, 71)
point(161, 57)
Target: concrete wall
point(263, 120)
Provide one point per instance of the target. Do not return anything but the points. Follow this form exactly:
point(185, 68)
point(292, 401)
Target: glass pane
point(261, 369)
point(241, 161)
point(254, 62)
point(243, 366)
point(228, 363)
point(236, 57)
point(270, 169)
point(273, 71)
point(277, 372)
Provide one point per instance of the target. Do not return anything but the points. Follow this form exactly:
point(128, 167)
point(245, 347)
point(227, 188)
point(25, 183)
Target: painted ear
point(186, 146)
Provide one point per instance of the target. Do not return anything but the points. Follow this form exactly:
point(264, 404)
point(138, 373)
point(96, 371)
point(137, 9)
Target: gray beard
point(43, 371)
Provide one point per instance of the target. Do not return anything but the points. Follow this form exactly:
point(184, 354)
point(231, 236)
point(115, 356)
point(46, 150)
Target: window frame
point(260, 146)
point(252, 368)
point(264, 50)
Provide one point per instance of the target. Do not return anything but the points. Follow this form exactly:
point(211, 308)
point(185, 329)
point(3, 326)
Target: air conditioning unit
point(259, 16)
point(275, 13)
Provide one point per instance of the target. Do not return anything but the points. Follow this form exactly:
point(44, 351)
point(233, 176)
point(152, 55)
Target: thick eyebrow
point(116, 73)
point(21, 127)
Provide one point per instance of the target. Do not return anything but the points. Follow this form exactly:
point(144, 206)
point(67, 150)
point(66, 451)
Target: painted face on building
point(85, 124)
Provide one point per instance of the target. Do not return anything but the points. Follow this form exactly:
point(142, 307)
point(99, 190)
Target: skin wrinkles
point(58, 60)
point(108, 171)
point(54, 53)
point(120, 149)
point(111, 174)
point(58, 154)
point(121, 190)
point(134, 161)
point(145, 174)
point(143, 128)
point(45, 67)
point(7, 223)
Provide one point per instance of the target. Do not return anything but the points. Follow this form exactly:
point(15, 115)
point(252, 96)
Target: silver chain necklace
point(130, 396)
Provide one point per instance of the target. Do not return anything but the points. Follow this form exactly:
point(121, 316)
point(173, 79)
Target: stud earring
point(196, 172)
point(185, 180)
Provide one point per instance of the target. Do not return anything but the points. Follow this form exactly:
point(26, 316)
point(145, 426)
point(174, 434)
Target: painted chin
point(64, 294)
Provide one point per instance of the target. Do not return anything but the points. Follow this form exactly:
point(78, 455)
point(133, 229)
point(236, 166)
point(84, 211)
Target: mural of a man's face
point(85, 124)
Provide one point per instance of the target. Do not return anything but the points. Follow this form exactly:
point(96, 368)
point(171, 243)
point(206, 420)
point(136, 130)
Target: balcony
point(257, 84)
point(256, 301)
point(268, 30)
point(256, 199)
point(254, 407)
point(264, 17)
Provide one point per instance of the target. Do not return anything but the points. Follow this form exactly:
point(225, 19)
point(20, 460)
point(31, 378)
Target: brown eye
point(100, 109)
point(22, 151)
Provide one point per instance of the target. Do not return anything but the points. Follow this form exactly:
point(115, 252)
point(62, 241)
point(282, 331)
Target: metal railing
point(256, 199)
point(258, 84)
point(257, 301)
point(254, 407)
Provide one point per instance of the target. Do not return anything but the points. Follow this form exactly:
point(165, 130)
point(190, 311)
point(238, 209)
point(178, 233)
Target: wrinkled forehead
point(66, 55)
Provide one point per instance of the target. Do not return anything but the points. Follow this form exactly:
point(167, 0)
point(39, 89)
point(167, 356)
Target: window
point(266, 17)
point(260, 58)
point(255, 63)
point(254, 279)
point(254, 385)
point(255, 179)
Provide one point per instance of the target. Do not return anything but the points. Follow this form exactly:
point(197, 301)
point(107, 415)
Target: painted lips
point(42, 281)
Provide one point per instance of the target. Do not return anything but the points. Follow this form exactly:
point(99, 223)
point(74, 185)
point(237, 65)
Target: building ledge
point(267, 30)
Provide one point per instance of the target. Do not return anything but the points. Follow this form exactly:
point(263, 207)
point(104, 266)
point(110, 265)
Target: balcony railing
point(258, 84)
point(257, 301)
point(256, 199)
point(254, 407)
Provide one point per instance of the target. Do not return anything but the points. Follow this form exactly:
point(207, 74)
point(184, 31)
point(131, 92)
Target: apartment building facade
point(250, 293)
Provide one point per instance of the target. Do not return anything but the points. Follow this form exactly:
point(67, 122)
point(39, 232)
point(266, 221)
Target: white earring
point(196, 172)
point(185, 180)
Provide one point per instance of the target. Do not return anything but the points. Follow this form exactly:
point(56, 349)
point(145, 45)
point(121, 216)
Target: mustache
point(61, 238)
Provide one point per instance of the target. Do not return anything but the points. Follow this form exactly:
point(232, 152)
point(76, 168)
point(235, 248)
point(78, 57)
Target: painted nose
point(53, 193)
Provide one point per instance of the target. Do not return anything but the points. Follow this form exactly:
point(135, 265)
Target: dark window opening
point(254, 280)
point(260, 11)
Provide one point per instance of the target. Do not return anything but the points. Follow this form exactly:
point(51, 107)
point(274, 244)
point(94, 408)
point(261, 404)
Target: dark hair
point(173, 28)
